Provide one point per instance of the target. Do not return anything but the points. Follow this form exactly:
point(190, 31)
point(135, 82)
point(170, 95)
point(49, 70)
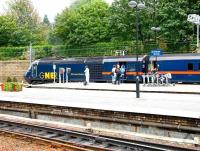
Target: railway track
point(81, 140)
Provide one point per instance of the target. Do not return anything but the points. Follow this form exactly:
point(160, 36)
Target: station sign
point(194, 18)
point(156, 52)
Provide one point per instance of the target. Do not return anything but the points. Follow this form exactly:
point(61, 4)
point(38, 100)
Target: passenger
point(87, 75)
point(154, 71)
point(168, 78)
point(154, 75)
point(122, 72)
point(117, 71)
point(113, 74)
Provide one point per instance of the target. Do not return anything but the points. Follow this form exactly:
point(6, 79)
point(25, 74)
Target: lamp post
point(137, 7)
point(195, 19)
point(155, 29)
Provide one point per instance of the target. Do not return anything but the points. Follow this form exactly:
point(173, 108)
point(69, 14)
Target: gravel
point(14, 143)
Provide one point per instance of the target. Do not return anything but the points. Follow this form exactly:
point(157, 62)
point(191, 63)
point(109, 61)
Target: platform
point(127, 87)
point(182, 105)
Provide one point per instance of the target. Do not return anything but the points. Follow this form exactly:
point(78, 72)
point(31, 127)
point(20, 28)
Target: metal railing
point(22, 53)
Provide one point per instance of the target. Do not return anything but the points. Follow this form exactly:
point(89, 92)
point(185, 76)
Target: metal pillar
point(137, 76)
point(30, 53)
point(197, 35)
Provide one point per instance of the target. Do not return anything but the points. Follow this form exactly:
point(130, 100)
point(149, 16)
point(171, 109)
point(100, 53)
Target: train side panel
point(130, 68)
point(186, 71)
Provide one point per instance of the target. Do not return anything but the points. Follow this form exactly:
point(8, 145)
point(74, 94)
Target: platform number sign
point(156, 52)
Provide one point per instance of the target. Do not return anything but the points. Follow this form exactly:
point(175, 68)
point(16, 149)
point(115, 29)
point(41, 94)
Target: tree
point(122, 21)
point(86, 25)
point(7, 28)
point(78, 3)
point(28, 23)
point(175, 27)
point(46, 20)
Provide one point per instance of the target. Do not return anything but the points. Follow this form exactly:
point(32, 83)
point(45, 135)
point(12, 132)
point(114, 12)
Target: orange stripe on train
point(180, 72)
point(160, 72)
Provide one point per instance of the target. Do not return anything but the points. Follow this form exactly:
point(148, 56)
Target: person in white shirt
point(113, 74)
point(87, 75)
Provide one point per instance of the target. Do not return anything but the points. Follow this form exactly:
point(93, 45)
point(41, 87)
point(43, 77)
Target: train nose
point(27, 78)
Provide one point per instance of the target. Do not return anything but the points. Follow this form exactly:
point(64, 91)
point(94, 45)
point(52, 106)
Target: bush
point(17, 87)
point(15, 79)
point(12, 85)
point(9, 79)
point(8, 86)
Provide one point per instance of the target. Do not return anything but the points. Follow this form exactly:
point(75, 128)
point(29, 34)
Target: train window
point(131, 67)
point(190, 66)
point(199, 66)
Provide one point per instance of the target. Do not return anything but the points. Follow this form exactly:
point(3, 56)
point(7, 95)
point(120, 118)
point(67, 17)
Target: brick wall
point(12, 69)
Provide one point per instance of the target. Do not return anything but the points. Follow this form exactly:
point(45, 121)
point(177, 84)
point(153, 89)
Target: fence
point(22, 53)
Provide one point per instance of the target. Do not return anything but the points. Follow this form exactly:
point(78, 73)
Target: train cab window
point(199, 66)
point(190, 66)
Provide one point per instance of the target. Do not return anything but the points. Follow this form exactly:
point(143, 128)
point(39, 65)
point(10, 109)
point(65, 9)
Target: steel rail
point(55, 143)
point(85, 140)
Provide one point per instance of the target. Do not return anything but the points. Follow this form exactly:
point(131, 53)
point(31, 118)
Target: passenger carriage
point(183, 68)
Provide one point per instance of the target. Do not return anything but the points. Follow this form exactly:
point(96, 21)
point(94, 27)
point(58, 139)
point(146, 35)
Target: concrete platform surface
point(179, 88)
point(151, 103)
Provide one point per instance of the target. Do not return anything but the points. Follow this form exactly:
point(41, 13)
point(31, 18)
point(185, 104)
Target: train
point(183, 68)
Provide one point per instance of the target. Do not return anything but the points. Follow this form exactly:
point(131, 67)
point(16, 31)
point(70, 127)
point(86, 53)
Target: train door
point(122, 64)
point(96, 68)
point(34, 70)
point(154, 64)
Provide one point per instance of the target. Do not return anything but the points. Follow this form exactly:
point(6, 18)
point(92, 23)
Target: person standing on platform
point(113, 74)
point(117, 71)
point(122, 72)
point(87, 75)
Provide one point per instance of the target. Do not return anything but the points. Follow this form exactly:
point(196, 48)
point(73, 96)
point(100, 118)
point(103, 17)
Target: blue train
point(183, 68)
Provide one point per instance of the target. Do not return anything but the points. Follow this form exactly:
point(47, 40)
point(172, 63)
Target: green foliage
point(7, 28)
point(175, 26)
point(8, 86)
point(11, 52)
point(15, 79)
point(17, 86)
point(78, 3)
point(9, 79)
point(21, 25)
point(7, 53)
point(121, 21)
point(46, 20)
point(13, 86)
point(91, 27)
point(87, 24)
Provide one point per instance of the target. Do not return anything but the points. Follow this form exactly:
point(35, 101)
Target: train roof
point(59, 60)
point(85, 59)
point(185, 56)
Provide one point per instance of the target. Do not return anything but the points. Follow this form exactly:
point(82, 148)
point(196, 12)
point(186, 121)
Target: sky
point(49, 7)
